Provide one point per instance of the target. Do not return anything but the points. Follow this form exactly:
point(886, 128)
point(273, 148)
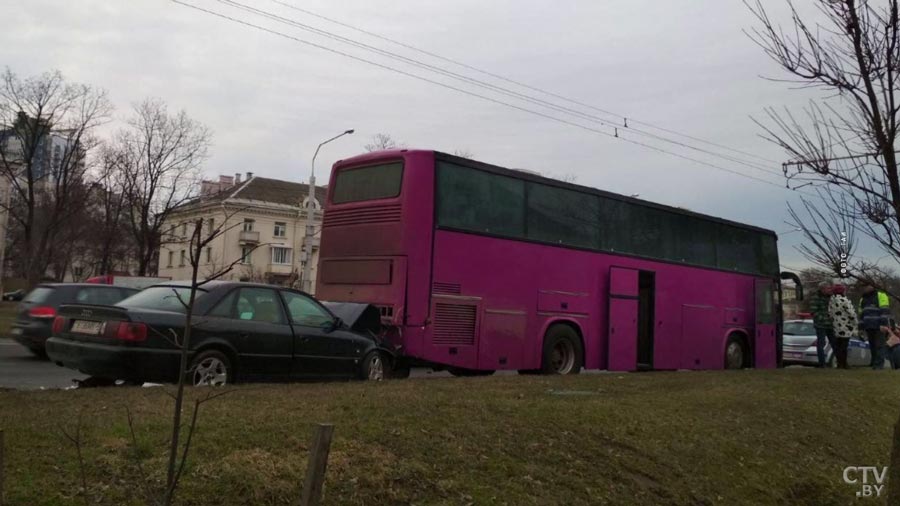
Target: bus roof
point(530, 176)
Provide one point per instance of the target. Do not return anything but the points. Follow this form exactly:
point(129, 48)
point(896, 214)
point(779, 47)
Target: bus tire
point(736, 353)
point(562, 353)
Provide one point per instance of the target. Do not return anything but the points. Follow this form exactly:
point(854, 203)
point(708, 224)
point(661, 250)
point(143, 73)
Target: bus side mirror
point(796, 279)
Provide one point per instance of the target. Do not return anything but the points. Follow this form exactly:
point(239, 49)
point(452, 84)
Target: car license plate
point(87, 327)
point(795, 355)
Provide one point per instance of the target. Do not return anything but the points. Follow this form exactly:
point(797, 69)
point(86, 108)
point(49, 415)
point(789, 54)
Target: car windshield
point(39, 294)
point(799, 329)
point(163, 298)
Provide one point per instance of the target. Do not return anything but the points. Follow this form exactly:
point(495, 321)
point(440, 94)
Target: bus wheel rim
point(735, 356)
point(376, 368)
point(563, 357)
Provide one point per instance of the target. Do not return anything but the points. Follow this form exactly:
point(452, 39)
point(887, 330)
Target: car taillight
point(42, 312)
point(58, 324)
point(129, 331)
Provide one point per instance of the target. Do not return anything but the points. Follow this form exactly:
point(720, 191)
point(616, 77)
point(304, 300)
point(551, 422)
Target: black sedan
point(239, 332)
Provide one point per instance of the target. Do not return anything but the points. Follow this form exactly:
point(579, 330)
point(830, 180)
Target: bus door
point(765, 345)
point(622, 332)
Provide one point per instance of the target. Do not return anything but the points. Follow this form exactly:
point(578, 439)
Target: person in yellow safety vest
point(874, 312)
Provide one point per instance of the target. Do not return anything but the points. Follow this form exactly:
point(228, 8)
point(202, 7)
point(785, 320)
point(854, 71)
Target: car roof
point(222, 284)
point(79, 285)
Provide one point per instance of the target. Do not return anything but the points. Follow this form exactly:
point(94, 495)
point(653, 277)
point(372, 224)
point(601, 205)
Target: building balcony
point(279, 268)
point(248, 237)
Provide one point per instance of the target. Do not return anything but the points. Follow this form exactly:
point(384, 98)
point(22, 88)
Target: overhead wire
point(625, 118)
point(477, 95)
point(483, 84)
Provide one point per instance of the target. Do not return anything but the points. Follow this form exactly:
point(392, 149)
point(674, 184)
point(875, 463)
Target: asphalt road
point(22, 370)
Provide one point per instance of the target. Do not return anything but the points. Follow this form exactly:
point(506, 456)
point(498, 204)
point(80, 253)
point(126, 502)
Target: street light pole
point(310, 233)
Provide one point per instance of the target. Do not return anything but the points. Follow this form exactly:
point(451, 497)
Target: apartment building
point(263, 224)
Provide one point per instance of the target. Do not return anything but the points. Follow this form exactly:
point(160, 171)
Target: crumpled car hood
point(363, 318)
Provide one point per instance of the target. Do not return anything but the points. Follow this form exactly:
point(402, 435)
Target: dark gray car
point(35, 313)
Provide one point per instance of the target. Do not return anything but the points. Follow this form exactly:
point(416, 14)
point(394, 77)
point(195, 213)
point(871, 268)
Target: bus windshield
point(370, 182)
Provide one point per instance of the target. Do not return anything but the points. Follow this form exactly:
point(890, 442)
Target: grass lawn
point(679, 438)
point(7, 315)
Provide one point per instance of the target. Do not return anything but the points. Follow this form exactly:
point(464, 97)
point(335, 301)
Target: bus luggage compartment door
point(622, 333)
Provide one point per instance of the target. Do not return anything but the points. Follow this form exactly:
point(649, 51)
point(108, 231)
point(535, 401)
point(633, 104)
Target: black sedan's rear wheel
point(211, 368)
point(375, 366)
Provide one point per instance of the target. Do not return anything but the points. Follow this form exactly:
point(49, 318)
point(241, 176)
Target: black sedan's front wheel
point(211, 368)
point(375, 367)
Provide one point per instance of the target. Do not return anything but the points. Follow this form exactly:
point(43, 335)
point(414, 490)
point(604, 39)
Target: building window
point(171, 258)
point(245, 254)
point(248, 225)
point(208, 255)
point(281, 255)
point(212, 225)
point(280, 229)
point(182, 258)
point(78, 271)
point(184, 229)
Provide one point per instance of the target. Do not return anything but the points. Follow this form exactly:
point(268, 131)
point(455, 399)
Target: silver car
point(800, 346)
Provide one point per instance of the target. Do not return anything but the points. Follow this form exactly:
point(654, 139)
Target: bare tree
point(463, 153)
point(107, 217)
point(381, 142)
point(157, 159)
point(45, 140)
point(200, 238)
point(842, 145)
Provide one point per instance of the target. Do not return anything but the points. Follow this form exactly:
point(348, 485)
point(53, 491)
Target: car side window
point(257, 304)
point(306, 311)
point(225, 307)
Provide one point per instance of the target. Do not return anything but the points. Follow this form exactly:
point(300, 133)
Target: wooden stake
point(315, 468)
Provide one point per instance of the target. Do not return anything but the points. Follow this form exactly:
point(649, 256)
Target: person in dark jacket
point(818, 306)
point(874, 312)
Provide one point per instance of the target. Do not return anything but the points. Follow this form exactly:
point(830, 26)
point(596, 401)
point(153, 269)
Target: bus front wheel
point(735, 353)
point(562, 351)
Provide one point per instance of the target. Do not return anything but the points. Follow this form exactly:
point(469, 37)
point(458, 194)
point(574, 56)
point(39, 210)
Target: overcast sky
point(684, 65)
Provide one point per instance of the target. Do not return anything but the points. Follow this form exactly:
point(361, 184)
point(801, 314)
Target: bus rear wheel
point(735, 353)
point(562, 351)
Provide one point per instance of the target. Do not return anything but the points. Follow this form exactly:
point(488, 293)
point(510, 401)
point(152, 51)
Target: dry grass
point(689, 438)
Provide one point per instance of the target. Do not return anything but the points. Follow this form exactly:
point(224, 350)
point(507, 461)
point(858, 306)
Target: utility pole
point(310, 232)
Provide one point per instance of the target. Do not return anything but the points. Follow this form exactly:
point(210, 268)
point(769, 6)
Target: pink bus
point(476, 268)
